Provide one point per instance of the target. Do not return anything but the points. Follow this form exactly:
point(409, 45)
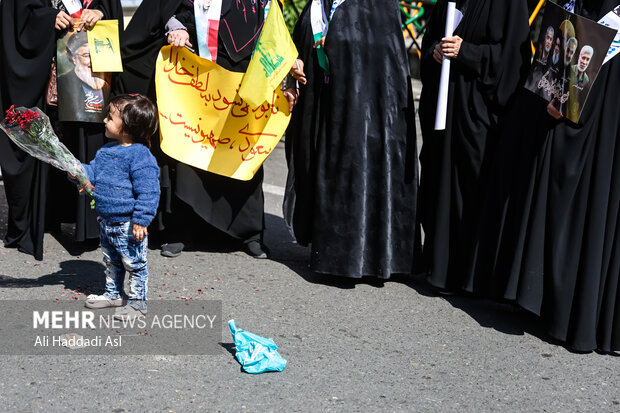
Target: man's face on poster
point(569, 50)
point(549, 39)
point(82, 58)
point(584, 60)
point(83, 68)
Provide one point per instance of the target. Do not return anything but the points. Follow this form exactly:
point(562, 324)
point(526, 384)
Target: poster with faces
point(83, 95)
point(571, 50)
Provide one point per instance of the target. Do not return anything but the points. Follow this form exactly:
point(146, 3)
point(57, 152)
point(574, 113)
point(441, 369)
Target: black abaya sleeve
point(27, 49)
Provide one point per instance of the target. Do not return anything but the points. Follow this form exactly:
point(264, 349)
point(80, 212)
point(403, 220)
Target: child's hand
point(139, 232)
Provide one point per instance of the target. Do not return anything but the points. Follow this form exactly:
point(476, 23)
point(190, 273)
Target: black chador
point(491, 65)
point(351, 151)
point(550, 240)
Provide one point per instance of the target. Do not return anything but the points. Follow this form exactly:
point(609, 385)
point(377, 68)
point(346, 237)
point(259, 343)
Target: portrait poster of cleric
point(82, 94)
point(569, 57)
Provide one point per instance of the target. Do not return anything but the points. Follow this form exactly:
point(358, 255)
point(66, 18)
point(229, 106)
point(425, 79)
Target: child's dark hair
point(139, 116)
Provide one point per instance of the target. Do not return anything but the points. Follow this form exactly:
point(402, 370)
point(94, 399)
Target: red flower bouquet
point(30, 129)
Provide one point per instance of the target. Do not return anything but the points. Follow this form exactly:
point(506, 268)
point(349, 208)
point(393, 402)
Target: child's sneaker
point(101, 301)
point(127, 313)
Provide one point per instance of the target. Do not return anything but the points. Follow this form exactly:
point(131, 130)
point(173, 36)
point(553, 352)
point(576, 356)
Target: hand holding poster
point(204, 122)
point(570, 55)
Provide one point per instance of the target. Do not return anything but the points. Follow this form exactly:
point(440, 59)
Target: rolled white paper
point(442, 98)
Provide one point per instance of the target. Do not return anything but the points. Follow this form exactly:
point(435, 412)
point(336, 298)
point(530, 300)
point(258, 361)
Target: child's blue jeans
point(121, 252)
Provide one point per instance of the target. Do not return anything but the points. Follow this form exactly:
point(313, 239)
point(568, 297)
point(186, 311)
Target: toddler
point(126, 180)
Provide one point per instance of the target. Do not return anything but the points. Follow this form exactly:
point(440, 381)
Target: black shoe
point(172, 250)
point(257, 250)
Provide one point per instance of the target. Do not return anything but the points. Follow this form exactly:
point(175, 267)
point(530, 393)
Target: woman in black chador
point(490, 58)
point(83, 139)
point(351, 149)
point(189, 194)
point(27, 45)
point(550, 238)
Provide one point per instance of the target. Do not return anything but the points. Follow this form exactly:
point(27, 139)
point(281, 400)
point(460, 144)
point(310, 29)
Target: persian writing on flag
point(205, 123)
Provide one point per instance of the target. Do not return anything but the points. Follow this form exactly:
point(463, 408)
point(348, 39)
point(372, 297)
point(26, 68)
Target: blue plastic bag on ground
point(255, 353)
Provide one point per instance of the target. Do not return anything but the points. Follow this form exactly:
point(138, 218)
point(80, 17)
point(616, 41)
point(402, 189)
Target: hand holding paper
point(442, 97)
point(450, 46)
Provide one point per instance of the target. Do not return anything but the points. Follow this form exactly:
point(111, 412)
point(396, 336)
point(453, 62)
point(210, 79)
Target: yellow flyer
point(204, 122)
point(104, 46)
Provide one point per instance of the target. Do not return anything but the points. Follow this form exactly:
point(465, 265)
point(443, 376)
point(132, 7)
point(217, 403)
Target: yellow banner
point(104, 47)
point(204, 122)
point(273, 57)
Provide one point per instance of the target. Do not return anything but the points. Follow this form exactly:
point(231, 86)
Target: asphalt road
point(351, 346)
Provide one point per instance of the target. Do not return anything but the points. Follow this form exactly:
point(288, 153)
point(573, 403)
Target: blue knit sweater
point(126, 180)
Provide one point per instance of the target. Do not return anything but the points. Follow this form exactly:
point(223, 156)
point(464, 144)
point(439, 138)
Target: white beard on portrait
point(93, 80)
